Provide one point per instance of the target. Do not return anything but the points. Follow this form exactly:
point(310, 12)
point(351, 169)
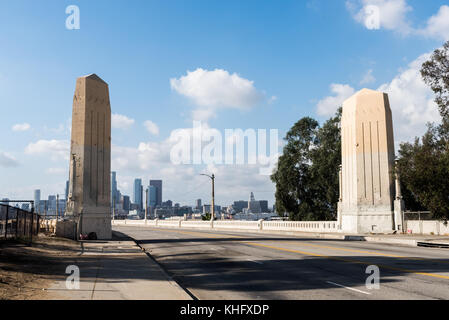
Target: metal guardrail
point(17, 223)
point(418, 215)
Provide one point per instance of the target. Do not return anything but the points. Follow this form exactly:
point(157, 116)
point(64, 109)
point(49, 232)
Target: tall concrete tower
point(89, 202)
point(367, 181)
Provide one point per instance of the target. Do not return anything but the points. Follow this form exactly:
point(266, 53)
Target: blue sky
point(296, 58)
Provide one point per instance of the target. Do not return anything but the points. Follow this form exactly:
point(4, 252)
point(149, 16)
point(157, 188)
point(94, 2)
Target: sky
point(227, 64)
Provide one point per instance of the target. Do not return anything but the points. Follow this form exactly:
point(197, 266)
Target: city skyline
point(38, 196)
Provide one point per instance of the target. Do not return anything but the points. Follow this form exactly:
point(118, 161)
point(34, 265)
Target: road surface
point(226, 265)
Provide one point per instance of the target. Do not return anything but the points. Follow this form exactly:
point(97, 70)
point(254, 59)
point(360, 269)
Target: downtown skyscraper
point(137, 193)
point(158, 185)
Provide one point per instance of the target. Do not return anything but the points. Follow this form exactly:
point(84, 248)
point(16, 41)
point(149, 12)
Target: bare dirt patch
point(27, 271)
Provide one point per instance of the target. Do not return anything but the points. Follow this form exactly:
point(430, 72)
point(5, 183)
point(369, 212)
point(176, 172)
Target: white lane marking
point(255, 261)
point(340, 285)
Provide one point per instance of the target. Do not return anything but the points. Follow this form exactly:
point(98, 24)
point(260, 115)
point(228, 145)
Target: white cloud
point(327, 106)
point(412, 101)
point(368, 77)
point(56, 149)
point(57, 171)
point(378, 14)
point(7, 160)
point(211, 90)
point(151, 127)
point(21, 127)
point(392, 15)
point(119, 121)
point(182, 183)
point(438, 25)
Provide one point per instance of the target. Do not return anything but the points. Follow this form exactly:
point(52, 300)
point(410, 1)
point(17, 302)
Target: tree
point(424, 164)
point(435, 73)
point(307, 175)
point(424, 169)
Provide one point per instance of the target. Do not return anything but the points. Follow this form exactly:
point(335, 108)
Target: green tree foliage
point(307, 175)
point(435, 73)
point(424, 164)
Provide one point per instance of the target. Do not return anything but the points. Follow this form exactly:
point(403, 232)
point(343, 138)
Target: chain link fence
point(16, 223)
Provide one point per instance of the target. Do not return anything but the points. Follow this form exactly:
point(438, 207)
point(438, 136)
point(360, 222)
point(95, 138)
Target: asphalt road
point(226, 265)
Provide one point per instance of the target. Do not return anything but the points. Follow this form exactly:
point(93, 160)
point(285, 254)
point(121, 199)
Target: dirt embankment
point(27, 271)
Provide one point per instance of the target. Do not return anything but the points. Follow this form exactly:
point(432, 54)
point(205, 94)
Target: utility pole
point(212, 215)
point(146, 205)
point(57, 206)
point(113, 208)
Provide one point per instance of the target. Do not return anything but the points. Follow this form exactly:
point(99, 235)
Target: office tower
point(126, 203)
point(67, 190)
point(37, 199)
point(167, 204)
point(141, 202)
point(263, 205)
point(198, 204)
point(51, 205)
point(152, 196)
point(114, 188)
point(158, 185)
point(137, 193)
point(240, 205)
point(253, 205)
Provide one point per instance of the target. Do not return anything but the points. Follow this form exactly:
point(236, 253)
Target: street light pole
point(212, 216)
point(113, 208)
point(146, 205)
point(57, 206)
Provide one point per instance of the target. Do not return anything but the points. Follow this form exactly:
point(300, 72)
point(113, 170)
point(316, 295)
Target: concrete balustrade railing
point(261, 225)
point(48, 225)
point(432, 227)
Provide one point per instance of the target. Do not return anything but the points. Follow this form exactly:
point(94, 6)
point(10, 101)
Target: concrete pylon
point(89, 203)
point(367, 181)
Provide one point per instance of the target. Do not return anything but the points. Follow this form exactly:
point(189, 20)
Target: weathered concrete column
point(89, 202)
point(367, 163)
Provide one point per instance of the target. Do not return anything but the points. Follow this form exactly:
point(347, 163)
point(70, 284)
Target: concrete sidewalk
point(118, 270)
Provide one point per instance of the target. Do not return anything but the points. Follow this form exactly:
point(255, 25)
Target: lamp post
point(146, 205)
point(57, 206)
point(212, 177)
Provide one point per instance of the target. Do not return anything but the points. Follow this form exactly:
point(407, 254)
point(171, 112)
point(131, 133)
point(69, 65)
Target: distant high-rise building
point(114, 198)
point(67, 190)
point(263, 206)
point(141, 192)
point(126, 203)
point(167, 204)
point(253, 205)
point(198, 204)
point(158, 185)
point(152, 196)
point(51, 205)
point(240, 205)
point(137, 194)
point(37, 200)
point(207, 208)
